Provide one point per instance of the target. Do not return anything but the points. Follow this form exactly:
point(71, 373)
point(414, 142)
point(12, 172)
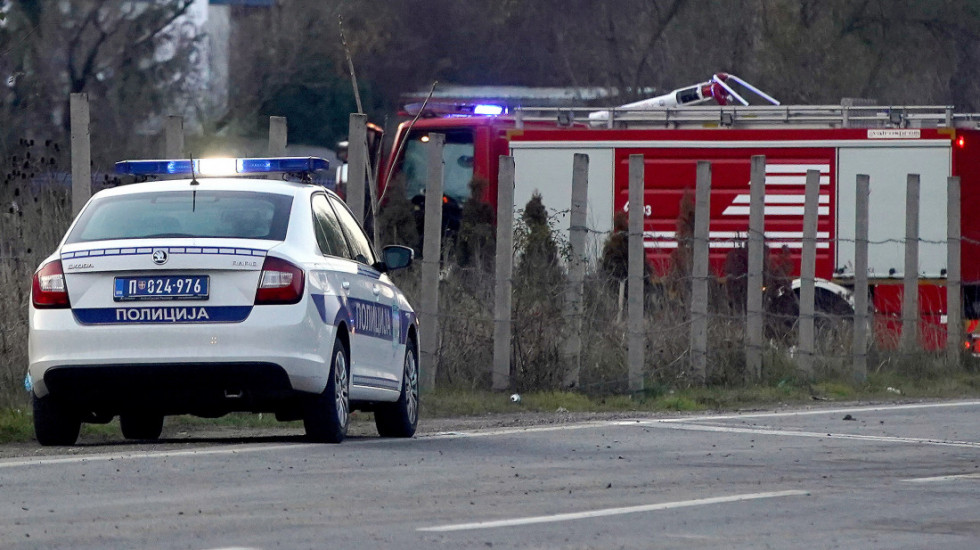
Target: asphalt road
point(889, 476)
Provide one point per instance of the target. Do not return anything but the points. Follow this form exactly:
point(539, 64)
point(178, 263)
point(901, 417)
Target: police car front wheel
point(401, 418)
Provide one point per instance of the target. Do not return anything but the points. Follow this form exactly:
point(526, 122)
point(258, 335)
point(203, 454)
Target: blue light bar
point(222, 167)
point(484, 109)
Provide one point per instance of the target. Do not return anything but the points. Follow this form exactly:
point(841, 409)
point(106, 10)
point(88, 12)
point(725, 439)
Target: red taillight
point(279, 283)
point(49, 290)
point(961, 142)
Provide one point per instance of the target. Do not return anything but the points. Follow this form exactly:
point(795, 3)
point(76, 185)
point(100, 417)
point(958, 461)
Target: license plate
point(188, 287)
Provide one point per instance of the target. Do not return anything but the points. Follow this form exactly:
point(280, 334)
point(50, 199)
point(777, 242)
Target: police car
point(217, 293)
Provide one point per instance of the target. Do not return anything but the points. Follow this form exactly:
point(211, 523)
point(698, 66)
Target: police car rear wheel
point(401, 418)
point(54, 422)
point(141, 425)
point(327, 414)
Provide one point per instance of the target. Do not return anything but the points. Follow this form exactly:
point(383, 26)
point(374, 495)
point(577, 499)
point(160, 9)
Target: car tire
point(401, 418)
point(327, 414)
point(54, 423)
point(141, 425)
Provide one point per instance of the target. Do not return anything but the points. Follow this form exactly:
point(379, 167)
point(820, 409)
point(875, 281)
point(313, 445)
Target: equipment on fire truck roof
point(717, 89)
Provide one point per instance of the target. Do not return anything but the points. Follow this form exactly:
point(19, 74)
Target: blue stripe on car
point(162, 315)
point(371, 318)
point(363, 317)
point(333, 311)
point(408, 319)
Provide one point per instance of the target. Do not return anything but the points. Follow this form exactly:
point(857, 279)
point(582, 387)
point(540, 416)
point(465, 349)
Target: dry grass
point(35, 210)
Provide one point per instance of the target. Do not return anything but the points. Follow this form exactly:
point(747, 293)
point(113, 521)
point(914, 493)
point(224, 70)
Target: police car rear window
point(225, 214)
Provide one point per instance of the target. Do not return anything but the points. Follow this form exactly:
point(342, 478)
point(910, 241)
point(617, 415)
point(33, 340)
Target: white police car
point(208, 295)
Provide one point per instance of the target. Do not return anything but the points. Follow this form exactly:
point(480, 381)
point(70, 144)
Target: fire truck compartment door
point(888, 168)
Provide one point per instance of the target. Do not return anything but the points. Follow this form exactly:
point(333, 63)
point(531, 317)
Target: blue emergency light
point(486, 109)
point(452, 110)
point(221, 166)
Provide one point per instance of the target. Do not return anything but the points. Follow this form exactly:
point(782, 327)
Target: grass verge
point(16, 424)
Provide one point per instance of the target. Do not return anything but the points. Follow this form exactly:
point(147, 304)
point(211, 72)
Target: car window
point(235, 214)
point(359, 243)
point(329, 236)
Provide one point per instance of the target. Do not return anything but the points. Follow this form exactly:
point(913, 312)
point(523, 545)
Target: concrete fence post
point(357, 164)
point(636, 340)
point(859, 347)
point(808, 266)
point(277, 136)
point(174, 138)
point(954, 298)
point(910, 288)
point(431, 258)
point(576, 268)
point(756, 266)
point(81, 152)
point(699, 274)
point(504, 272)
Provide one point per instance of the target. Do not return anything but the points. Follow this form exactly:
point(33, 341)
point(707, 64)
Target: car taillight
point(49, 290)
point(279, 283)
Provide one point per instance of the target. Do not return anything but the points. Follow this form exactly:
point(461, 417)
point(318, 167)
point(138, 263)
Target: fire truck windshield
point(457, 157)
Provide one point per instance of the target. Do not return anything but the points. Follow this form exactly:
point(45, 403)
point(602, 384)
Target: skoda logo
point(159, 257)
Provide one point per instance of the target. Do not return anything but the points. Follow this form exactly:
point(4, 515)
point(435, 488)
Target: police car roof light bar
point(221, 166)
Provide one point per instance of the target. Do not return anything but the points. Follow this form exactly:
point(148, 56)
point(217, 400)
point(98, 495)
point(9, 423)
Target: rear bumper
point(282, 336)
point(204, 389)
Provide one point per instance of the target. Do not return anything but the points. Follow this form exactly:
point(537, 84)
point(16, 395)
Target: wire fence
point(701, 308)
point(710, 313)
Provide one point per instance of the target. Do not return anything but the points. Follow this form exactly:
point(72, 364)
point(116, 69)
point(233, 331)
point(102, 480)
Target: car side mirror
point(396, 257)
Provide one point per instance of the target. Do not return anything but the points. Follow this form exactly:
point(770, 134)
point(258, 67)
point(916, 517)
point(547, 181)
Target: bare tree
point(134, 59)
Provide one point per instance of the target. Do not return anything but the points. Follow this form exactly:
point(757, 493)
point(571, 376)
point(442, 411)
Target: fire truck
point(712, 122)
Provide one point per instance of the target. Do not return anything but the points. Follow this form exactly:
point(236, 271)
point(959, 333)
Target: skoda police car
point(215, 293)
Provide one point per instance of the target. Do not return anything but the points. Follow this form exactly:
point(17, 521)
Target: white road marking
point(663, 422)
point(532, 429)
point(942, 478)
point(610, 511)
point(693, 418)
point(813, 412)
point(77, 459)
point(821, 435)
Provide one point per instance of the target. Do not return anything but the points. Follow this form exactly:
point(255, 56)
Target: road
point(885, 476)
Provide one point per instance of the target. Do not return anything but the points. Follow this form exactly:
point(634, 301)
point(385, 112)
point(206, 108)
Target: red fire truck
point(886, 143)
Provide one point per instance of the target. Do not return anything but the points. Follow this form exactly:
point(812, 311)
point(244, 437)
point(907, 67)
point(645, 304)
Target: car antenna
point(194, 182)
